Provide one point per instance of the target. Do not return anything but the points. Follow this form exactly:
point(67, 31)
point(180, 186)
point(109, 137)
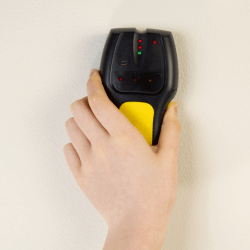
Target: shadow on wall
point(189, 165)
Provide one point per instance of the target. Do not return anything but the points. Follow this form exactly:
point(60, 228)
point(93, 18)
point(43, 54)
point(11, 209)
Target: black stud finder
point(139, 72)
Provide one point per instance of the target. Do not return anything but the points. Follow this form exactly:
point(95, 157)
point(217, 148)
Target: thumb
point(168, 143)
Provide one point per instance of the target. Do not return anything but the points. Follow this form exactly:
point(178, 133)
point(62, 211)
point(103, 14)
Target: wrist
point(135, 235)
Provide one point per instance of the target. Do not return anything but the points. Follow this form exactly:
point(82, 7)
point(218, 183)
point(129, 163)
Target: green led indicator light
point(139, 52)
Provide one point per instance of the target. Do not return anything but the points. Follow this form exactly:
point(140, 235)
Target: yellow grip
point(141, 115)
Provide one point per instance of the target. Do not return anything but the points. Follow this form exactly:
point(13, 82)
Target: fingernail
point(93, 71)
point(175, 106)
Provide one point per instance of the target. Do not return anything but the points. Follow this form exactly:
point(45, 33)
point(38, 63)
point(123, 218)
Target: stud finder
point(139, 72)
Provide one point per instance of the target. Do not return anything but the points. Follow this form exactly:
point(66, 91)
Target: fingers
point(87, 121)
point(170, 133)
point(79, 140)
point(112, 119)
point(72, 159)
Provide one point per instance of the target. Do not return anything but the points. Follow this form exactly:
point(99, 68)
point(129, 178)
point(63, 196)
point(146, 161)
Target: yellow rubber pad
point(141, 115)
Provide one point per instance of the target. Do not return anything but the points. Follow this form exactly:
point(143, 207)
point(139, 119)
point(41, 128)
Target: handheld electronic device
point(139, 72)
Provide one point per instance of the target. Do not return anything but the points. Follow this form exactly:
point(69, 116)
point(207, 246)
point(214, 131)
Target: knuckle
point(125, 138)
point(95, 100)
point(65, 148)
point(69, 121)
point(75, 104)
point(100, 146)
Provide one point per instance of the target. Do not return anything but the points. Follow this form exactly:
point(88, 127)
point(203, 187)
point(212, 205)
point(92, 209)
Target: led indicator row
point(140, 47)
point(140, 41)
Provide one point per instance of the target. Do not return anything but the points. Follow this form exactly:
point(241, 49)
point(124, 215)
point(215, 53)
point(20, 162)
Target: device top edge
point(147, 30)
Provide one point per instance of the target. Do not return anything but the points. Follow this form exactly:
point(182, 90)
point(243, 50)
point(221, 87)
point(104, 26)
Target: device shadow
point(180, 223)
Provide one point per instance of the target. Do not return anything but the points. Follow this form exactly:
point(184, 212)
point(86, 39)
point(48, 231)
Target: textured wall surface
point(47, 49)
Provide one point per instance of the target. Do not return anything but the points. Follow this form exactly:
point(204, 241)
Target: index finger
point(111, 118)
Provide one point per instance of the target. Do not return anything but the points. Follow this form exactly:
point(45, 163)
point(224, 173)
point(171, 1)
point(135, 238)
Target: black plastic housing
point(157, 61)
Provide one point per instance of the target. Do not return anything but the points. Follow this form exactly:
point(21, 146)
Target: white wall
point(47, 49)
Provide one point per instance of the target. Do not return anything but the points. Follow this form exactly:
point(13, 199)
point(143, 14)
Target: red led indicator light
point(139, 47)
point(150, 80)
point(154, 42)
point(135, 79)
point(140, 41)
point(120, 78)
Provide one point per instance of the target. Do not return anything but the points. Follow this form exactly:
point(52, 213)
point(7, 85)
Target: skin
point(133, 185)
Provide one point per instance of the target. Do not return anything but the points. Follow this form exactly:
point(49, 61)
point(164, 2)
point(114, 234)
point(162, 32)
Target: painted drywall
point(47, 49)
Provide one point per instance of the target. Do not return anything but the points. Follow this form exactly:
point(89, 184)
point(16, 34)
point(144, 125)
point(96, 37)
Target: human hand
point(133, 185)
